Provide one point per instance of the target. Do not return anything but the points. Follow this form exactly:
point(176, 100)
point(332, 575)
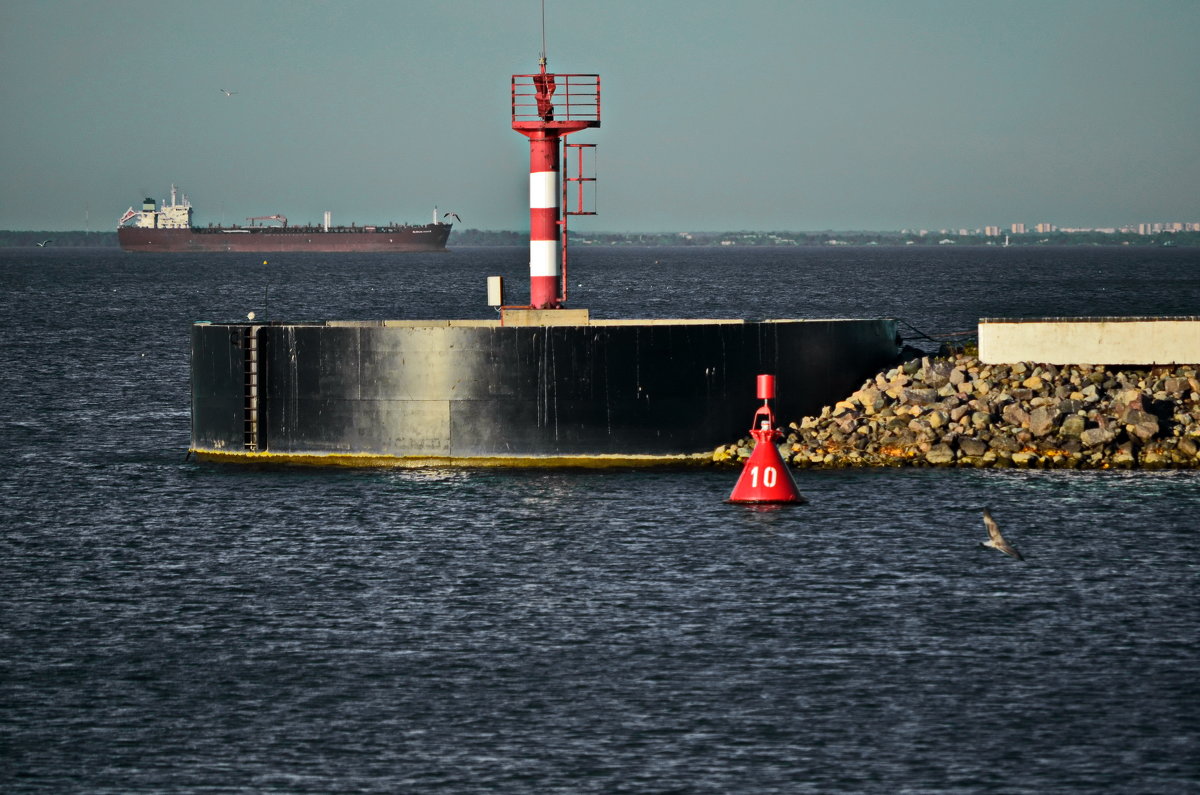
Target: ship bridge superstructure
point(176, 215)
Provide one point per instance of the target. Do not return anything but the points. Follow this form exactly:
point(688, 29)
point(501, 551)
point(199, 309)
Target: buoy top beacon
point(765, 478)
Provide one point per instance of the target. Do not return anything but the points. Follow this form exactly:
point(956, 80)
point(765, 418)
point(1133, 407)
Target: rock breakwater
point(958, 411)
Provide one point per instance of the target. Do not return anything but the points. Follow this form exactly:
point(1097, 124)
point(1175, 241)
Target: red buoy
point(765, 478)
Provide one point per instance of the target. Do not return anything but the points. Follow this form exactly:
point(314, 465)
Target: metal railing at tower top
point(552, 97)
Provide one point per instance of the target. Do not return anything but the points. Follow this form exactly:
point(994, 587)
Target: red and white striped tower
point(545, 120)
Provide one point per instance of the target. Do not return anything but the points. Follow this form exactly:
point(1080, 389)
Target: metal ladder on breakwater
point(250, 381)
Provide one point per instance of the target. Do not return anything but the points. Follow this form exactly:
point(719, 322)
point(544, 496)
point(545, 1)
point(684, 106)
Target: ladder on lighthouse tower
point(578, 191)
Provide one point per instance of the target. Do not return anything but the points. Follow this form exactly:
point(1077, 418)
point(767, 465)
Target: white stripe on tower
point(543, 189)
point(543, 258)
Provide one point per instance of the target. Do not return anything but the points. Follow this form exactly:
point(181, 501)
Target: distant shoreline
point(829, 239)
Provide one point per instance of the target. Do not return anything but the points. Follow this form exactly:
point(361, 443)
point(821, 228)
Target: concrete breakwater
point(958, 411)
point(552, 388)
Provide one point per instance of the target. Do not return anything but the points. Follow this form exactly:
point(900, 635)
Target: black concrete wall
point(460, 392)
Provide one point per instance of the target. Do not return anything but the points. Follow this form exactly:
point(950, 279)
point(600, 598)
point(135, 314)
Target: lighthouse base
point(477, 393)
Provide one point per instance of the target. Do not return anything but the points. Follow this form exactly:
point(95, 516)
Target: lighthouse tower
point(546, 108)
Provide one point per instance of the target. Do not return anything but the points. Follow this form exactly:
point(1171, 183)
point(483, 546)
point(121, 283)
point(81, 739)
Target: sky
point(781, 115)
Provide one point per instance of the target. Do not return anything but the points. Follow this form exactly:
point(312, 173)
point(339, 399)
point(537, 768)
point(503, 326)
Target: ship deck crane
point(280, 218)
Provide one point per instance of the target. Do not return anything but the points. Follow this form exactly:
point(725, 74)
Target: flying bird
point(43, 243)
point(227, 92)
point(995, 540)
point(454, 216)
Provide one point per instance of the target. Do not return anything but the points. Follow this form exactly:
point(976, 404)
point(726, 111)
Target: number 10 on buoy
point(765, 478)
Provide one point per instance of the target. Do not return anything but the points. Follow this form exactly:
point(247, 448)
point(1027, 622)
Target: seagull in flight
point(995, 540)
point(227, 92)
point(454, 216)
point(43, 243)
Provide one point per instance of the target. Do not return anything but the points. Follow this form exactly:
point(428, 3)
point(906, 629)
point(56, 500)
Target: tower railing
point(573, 98)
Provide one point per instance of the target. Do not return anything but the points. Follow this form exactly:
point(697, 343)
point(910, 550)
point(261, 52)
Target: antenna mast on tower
point(542, 56)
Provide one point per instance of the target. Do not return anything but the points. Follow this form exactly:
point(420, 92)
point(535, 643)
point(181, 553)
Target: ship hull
point(479, 394)
point(431, 237)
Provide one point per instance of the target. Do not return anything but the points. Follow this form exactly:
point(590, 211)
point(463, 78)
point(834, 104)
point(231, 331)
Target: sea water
point(169, 626)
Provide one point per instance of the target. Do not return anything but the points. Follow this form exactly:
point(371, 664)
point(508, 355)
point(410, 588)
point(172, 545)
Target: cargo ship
point(167, 227)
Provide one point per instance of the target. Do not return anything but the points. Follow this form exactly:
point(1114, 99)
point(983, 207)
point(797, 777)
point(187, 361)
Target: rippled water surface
point(167, 626)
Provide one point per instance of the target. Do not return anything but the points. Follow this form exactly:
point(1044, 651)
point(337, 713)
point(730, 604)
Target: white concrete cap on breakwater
point(1140, 341)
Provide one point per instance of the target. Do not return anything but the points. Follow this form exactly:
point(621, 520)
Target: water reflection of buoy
point(765, 478)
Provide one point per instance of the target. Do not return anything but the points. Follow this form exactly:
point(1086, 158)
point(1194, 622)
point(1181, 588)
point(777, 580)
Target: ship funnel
point(148, 205)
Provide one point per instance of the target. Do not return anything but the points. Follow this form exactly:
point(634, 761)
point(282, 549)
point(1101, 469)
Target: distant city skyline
point(1021, 228)
point(828, 114)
